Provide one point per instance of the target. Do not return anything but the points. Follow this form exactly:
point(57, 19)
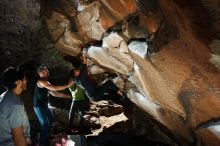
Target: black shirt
point(41, 97)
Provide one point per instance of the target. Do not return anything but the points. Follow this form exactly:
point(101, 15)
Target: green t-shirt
point(77, 93)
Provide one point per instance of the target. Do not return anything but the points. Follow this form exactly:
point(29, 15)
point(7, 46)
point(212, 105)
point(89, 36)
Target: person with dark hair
point(14, 127)
point(77, 109)
point(94, 92)
point(44, 115)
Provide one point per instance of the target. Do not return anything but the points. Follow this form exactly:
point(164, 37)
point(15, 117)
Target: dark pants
point(45, 118)
point(78, 108)
point(108, 90)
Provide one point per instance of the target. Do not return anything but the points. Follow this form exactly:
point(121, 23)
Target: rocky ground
point(104, 124)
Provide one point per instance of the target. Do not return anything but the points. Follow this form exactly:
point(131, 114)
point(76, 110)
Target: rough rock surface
point(166, 56)
point(101, 115)
point(173, 82)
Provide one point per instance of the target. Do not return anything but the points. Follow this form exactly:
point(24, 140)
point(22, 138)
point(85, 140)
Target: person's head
point(42, 71)
point(60, 140)
point(14, 78)
point(75, 72)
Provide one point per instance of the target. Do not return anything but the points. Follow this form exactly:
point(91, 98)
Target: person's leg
point(107, 88)
point(44, 122)
point(81, 106)
point(50, 119)
point(82, 109)
point(71, 114)
point(115, 93)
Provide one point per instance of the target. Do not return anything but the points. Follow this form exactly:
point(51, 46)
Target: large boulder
point(112, 55)
point(59, 29)
point(97, 17)
point(163, 52)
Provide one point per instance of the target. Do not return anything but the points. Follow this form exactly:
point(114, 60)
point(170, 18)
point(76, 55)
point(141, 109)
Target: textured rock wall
point(166, 52)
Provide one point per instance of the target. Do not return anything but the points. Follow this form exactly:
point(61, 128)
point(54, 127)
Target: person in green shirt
point(78, 107)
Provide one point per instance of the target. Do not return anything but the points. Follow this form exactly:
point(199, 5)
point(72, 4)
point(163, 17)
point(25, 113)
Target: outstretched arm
point(46, 84)
point(84, 59)
point(58, 94)
point(83, 67)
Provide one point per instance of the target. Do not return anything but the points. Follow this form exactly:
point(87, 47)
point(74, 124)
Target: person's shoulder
point(41, 82)
point(12, 99)
point(3, 95)
point(2, 100)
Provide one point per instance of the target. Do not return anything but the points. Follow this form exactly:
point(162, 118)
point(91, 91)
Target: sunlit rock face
point(210, 134)
point(139, 48)
point(97, 17)
point(163, 51)
point(59, 29)
point(93, 117)
point(112, 55)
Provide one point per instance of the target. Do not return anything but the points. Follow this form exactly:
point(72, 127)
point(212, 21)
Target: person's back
point(77, 93)
point(40, 97)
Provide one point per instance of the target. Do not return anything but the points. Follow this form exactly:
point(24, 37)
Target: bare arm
point(58, 94)
point(46, 84)
point(18, 136)
point(84, 59)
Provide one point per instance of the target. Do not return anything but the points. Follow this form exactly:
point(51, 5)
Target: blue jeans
point(45, 118)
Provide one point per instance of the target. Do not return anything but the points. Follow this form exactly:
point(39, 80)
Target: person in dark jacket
point(94, 92)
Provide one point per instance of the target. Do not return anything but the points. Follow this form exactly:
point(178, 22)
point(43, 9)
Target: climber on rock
point(78, 107)
point(94, 92)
